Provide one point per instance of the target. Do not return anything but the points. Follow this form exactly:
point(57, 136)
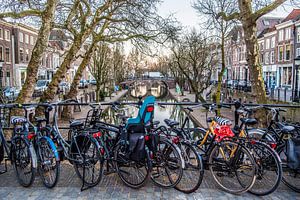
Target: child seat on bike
point(136, 129)
point(144, 117)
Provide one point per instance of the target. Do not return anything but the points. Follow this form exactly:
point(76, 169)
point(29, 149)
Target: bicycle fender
point(261, 132)
point(33, 155)
point(181, 158)
point(53, 147)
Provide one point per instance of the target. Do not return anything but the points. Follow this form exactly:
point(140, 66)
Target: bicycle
point(279, 133)
point(19, 150)
point(81, 150)
point(46, 151)
point(135, 151)
point(225, 158)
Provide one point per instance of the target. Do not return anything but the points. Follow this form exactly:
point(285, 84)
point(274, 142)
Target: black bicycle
point(19, 150)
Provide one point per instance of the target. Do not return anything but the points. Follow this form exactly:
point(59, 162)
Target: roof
point(294, 15)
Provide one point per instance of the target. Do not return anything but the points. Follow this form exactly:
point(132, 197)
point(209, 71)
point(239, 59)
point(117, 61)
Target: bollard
point(278, 90)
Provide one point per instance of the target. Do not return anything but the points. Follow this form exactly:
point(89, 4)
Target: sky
point(187, 15)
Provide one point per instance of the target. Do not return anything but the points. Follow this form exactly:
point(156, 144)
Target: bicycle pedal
point(155, 175)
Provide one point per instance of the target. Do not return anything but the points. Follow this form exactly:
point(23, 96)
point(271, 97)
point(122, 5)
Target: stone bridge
point(168, 82)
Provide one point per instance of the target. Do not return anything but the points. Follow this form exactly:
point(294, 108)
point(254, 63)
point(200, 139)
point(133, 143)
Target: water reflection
point(157, 89)
point(167, 112)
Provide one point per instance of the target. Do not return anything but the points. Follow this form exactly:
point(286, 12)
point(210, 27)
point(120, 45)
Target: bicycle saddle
point(249, 121)
point(223, 121)
point(171, 123)
point(75, 123)
point(18, 119)
point(287, 129)
point(40, 119)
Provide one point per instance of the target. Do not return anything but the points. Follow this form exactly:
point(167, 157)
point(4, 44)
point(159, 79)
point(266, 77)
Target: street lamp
point(297, 64)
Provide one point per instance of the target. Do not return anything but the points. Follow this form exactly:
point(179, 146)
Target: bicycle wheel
point(23, 161)
point(193, 169)
point(290, 177)
point(49, 165)
point(167, 164)
point(269, 169)
point(134, 174)
point(232, 167)
point(88, 164)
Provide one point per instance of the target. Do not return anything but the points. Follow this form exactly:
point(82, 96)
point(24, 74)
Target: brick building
point(6, 56)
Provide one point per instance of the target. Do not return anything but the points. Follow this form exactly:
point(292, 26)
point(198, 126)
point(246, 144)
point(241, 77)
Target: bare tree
point(195, 58)
point(210, 9)
point(44, 11)
point(101, 67)
point(249, 11)
point(113, 21)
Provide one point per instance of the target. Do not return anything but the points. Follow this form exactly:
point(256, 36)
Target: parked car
point(93, 82)
point(41, 85)
point(83, 83)
point(229, 83)
point(242, 85)
point(235, 84)
point(64, 87)
point(11, 93)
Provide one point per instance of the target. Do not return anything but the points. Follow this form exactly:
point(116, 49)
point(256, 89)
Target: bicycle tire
point(123, 167)
point(49, 164)
point(22, 157)
point(194, 180)
point(86, 161)
point(163, 158)
point(226, 170)
point(266, 158)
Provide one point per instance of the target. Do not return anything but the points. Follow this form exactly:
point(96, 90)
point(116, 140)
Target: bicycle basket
point(292, 152)
point(137, 150)
point(92, 116)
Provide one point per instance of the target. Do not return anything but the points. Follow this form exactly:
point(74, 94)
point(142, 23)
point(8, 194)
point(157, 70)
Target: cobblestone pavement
point(111, 187)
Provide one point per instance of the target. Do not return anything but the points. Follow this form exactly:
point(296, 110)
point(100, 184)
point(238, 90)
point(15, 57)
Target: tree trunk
point(25, 95)
point(250, 31)
point(98, 87)
point(49, 94)
point(72, 94)
point(220, 75)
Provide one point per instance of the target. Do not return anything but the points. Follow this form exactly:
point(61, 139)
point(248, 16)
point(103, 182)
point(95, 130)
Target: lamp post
point(297, 64)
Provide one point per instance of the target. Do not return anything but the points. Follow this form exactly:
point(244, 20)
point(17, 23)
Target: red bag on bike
point(222, 132)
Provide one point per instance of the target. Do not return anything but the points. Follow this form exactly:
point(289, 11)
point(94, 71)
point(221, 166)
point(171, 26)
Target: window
point(298, 52)
point(272, 57)
point(31, 40)
point(262, 46)
point(280, 37)
point(266, 22)
point(1, 53)
point(21, 37)
point(298, 35)
point(268, 43)
point(286, 78)
point(273, 41)
point(1, 33)
point(7, 55)
point(288, 52)
point(287, 33)
point(280, 53)
point(7, 35)
point(26, 39)
point(27, 55)
point(21, 55)
point(267, 57)
point(261, 58)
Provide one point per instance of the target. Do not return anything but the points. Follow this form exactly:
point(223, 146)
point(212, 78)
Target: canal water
point(160, 91)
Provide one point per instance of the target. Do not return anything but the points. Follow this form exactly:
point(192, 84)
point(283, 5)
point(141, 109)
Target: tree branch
point(235, 15)
point(272, 6)
point(25, 13)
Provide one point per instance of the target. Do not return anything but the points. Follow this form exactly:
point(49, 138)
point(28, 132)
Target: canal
point(162, 94)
